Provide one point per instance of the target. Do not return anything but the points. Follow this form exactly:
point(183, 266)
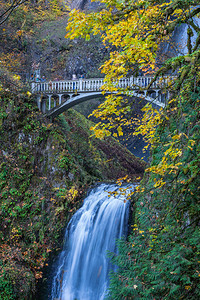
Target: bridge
point(54, 97)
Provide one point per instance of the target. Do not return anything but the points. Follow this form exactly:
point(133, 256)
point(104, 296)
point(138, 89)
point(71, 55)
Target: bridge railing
point(95, 84)
point(80, 85)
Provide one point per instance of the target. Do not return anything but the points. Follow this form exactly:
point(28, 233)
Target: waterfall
point(83, 265)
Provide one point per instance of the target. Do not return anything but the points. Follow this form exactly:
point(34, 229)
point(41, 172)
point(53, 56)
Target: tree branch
point(15, 4)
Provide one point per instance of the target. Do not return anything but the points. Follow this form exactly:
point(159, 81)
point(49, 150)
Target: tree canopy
point(136, 32)
point(160, 260)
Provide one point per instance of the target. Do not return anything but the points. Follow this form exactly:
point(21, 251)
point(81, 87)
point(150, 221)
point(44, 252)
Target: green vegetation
point(45, 168)
point(161, 258)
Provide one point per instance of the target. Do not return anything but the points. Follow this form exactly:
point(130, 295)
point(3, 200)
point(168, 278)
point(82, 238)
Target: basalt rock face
point(78, 4)
point(60, 58)
point(84, 4)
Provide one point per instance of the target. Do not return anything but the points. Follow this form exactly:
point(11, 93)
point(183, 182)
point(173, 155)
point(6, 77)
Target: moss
point(44, 170)
point(161, 255)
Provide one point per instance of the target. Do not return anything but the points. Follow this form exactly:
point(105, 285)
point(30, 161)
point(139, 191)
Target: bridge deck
point(96, 84)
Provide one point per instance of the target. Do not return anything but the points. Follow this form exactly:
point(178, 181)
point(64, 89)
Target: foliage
point(19, 21)
point(133, 31)
point(30, 218)
point(161, 258)
point(9, 8)
point(44, 170)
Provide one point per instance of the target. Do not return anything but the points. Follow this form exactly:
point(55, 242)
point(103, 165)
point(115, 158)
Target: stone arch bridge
point(54, 97)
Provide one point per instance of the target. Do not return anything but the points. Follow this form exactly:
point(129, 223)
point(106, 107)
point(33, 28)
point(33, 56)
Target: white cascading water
point(83, 266)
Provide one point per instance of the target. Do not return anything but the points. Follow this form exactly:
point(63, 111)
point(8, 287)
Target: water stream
point(83, 266)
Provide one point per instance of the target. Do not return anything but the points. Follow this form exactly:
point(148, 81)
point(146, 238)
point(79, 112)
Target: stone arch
point(72, 101)
point(77, 99)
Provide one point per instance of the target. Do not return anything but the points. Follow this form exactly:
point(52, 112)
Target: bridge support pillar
point(81, 84)
point(168, 95)
point(157, 93)
point(39, 101)
point(60, 98)
point(160, 97)
point(131, 81)
point(43, 106)
point(49, 101)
